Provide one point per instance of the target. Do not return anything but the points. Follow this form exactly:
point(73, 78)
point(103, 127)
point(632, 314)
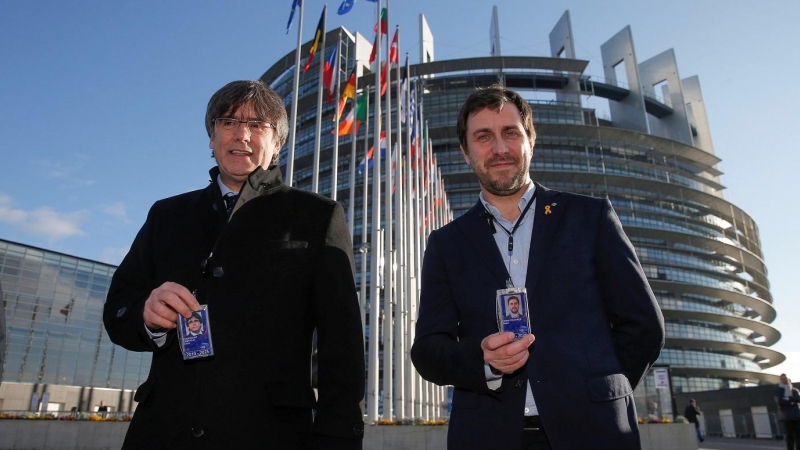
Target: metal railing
point(109, 416)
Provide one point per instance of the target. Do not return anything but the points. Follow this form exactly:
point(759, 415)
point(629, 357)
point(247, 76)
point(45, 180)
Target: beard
point(508, 183)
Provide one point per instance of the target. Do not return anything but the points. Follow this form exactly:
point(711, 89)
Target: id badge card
point(195, 334)
point(512, 311)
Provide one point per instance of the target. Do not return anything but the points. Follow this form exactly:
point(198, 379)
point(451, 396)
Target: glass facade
point(54, 322)
point(701, 254)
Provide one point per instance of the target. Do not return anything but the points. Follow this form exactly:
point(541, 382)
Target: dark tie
point(230, 200)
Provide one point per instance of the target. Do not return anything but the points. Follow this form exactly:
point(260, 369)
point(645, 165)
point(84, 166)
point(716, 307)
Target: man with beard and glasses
point(273, 267)
point(596, 328)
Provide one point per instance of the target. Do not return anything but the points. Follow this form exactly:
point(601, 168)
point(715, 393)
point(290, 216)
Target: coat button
point(197, 431)
point(214, 206)
point(121, 312)
point(217, 272)
point(519, 383)
point(358, 431)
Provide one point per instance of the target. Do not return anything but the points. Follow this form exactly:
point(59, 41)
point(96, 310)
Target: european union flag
point(295, 4)
point(346, 6)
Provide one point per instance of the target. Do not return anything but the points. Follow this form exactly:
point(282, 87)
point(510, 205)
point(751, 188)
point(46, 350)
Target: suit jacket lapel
point(546, 218)
point(476, 230)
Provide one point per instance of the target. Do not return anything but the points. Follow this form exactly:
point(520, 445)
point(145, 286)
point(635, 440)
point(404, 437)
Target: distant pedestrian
point(788, 398)
point(102, 409)
point(691, 413)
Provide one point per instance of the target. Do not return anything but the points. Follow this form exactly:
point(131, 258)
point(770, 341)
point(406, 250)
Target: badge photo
point(512, 312)
point(195, 334)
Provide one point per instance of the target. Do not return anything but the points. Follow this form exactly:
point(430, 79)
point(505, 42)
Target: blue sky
point(102, 103)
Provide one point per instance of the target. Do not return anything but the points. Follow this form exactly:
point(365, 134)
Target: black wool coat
point(279, 270)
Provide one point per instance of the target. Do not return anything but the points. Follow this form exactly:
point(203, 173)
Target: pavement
point(723, 443)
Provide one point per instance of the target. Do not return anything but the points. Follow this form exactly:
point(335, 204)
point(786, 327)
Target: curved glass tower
point(646, 145)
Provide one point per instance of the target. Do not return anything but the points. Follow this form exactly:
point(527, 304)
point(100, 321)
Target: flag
point(393, 49)
point(349, 90)
point(361, 110)
point(350, 87)
point(373, 54)
point(383, 78)
point(330, 76)
point(402, 102)
point(357, 114)
point(295, 4)
point(371, 152)
point(412, 105)
point(346, 124)
point(384, 23)
point(346, 6)
point(317, 40)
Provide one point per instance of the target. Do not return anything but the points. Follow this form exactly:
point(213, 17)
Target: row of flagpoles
point(414, 203)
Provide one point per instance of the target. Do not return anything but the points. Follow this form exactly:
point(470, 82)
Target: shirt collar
point(224, 189)
point(526, 197)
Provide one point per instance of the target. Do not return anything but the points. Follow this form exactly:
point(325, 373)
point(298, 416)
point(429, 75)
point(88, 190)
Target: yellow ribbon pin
point(547, 210)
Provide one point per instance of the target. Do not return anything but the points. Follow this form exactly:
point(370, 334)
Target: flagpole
point(411, 296)
point(388, 266)
point(295, 94)
point(335, 156)
point(318, 130)
point(351, 207)
point(422, 384)
point(364, 245)
point(399, 310)
point(373, 379)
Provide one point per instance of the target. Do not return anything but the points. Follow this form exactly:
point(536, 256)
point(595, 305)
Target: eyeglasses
point(255, 127)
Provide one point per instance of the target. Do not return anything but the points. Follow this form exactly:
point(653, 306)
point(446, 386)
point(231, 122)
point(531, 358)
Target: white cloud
point(118, 210)
point(67, 171)
point(113, 255)
point(43, 221)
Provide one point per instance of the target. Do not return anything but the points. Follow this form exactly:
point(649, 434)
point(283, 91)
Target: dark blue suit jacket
point(596, 322)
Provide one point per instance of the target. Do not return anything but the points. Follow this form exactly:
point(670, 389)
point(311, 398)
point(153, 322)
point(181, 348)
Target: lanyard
point(516, 224)
point(510, 233)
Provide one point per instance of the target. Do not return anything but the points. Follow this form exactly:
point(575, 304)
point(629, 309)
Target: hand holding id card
point(512, 312)
point(195, 334)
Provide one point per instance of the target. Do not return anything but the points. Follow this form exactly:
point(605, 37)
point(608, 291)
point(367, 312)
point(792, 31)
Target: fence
point(756, 424)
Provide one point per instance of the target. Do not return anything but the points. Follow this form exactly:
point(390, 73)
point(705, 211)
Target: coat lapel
point(476, 231)
point(546, 218)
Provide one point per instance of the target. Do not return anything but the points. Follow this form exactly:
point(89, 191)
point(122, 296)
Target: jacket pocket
point(608, 387)
point(291, 395)
point(292, 403)
point(464, 399)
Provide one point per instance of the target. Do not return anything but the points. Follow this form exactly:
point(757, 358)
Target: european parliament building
point(650, 152)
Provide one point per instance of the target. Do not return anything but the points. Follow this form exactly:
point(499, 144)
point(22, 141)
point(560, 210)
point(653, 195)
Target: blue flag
point(295, 4)
point(346, 6)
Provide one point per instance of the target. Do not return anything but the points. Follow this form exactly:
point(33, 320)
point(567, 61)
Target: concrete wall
point(740, 403)
point(673, 436)
point(67, 435)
